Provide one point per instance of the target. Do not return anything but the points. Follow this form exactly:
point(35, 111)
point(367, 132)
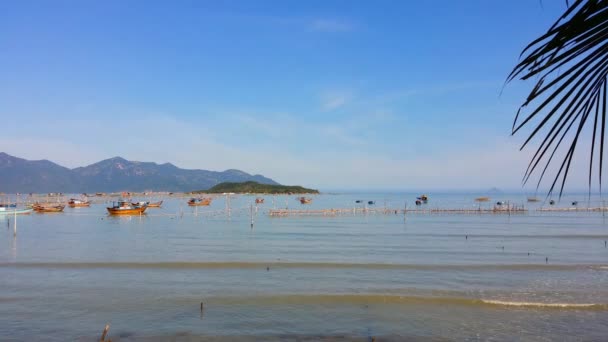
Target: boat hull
point(155, 204)
point(131, 211)
point(79, 205)
point(305, 200)
point(198, 204)
point(16, 212)
point(48, 208)
point(203, 202)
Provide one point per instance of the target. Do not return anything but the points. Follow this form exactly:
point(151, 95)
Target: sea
point(232, 272)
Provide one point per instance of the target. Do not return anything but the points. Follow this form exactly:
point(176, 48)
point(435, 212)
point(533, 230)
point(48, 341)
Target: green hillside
point(257, 188)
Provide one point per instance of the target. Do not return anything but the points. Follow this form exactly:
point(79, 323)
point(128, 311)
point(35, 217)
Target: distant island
point(257, 188)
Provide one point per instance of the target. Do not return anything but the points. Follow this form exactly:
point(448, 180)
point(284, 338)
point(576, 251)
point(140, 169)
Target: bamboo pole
point(104, 333)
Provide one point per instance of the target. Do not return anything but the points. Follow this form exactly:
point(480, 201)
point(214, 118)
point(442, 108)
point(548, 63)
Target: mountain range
point(19, 175)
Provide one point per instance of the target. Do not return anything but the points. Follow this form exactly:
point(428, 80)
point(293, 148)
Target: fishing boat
point(8, 211)
point(371, 202)
point(423, 198)
point(8, 205)
point(48, 208)
point(76, 203)
point(195, 202)
point(155, 204)
point(482, 199)
point(259, 200)
point(305, 200)
point(141, 203)
point(533, 199)
point(126, 208)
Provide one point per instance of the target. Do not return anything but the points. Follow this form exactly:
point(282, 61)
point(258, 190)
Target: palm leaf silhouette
point(570, 65)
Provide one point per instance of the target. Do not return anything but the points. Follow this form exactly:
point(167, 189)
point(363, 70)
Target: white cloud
point(335, 99)
point(433, 90)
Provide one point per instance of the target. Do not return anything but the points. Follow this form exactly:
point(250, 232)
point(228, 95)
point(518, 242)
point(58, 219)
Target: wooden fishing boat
point(155, 204)
point(126, 208)
point(48, 208)
point(482, 199)
point(195, 202)
point(141, 203)
point(7, 211)
point(76, 203)
point(305, 200)
point(533, 199)
point(259, 200)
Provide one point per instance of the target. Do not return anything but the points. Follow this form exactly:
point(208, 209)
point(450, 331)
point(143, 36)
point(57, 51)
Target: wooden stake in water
point(15, 224)
point(251, 214)
point(104, 333)
point(228, 208)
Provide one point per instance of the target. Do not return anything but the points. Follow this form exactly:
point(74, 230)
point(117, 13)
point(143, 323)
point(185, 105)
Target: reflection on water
point(13, 249)
point(440, 276)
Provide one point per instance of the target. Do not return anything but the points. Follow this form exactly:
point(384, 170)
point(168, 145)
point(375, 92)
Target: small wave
point(546, 305)
point(361, 299)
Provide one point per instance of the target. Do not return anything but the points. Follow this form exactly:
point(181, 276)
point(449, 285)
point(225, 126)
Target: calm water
point(440, 276)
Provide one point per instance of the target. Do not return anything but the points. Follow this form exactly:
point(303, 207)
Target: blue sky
point(331, 94)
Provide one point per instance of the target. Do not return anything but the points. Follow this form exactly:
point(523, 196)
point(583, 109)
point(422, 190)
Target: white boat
point(10, 211)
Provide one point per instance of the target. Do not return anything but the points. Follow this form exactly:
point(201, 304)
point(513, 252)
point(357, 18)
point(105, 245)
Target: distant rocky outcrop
point(110, 175)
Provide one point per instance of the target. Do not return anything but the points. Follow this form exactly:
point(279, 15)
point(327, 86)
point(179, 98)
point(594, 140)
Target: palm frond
point(570, 64)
